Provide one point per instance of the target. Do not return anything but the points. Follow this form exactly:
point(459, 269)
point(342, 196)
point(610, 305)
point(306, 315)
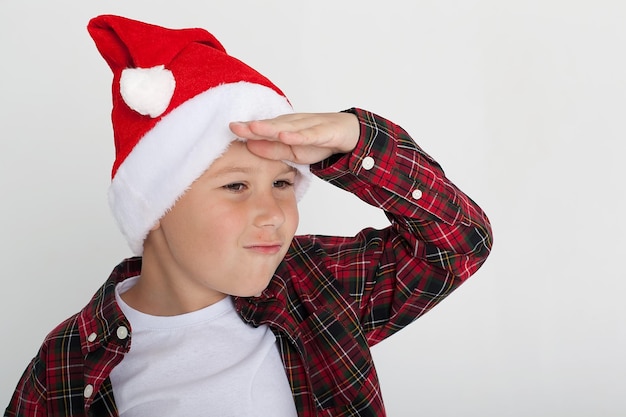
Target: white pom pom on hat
point(174, 93)
point(148, 91)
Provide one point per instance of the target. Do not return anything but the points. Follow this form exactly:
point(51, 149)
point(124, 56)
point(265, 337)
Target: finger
point(271, 150)
point(270, 131)
point(242, 130)
point(255, 130)
point(299, 138)
point(262, 129)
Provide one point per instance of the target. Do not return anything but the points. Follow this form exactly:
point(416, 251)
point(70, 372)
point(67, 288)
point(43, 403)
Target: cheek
point(296, 216)
point(292, 217)
point(192, 226)
point(222, 226)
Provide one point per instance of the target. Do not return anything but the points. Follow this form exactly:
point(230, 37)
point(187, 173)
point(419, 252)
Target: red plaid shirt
point(328, 302)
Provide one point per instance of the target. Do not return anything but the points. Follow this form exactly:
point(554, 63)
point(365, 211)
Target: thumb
point(271, 150)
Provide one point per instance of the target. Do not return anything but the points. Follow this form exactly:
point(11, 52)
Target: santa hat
point(174, 93)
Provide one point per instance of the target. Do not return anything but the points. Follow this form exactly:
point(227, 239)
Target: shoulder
point(64, 336)
point(365, 247)
point(60, 352)
point(317, 264)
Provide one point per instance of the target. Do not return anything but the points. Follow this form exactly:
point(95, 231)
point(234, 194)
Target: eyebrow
point(248, 170)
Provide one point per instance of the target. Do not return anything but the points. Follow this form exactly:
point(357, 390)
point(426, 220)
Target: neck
point(163, 290)
point(157, 300)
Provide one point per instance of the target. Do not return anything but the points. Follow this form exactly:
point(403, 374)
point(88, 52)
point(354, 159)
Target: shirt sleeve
point(438, 236)
point(29, 398)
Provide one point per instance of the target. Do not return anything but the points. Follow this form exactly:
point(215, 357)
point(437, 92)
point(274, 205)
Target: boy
point(223, 311)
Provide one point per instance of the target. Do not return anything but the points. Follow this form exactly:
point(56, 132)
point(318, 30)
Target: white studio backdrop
point(523, 103)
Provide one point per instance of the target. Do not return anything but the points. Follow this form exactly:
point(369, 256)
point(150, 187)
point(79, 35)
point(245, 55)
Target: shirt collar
point(100, 321)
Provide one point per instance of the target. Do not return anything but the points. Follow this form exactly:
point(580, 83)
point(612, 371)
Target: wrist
point(351, 132)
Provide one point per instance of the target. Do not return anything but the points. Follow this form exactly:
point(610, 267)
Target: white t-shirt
point(204, 363)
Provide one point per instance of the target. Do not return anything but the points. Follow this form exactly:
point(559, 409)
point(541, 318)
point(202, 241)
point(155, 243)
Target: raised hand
point(303, 138)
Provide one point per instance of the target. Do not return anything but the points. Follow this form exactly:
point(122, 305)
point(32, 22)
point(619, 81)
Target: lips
point(265, 248)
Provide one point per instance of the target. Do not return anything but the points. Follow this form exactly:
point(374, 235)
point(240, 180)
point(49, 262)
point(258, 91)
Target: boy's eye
point(282, 184)
point(236, 186)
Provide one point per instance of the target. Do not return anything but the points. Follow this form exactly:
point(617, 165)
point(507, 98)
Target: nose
point(267, 209)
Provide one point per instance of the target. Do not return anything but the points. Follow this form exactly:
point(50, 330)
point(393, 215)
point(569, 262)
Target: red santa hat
point(174, 93)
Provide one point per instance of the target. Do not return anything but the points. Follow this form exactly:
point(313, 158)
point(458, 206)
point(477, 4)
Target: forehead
point(237, 158)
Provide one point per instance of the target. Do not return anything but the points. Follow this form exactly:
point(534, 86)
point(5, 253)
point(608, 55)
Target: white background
point(523, 103)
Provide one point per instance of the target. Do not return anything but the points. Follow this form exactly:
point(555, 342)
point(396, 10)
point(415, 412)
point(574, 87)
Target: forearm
point(389, 170)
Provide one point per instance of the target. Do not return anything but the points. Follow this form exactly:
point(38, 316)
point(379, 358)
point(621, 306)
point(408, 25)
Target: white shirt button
point(416, 194)
point(368, 163)
point(92, 337)
point(122, 332)
point(88, 391)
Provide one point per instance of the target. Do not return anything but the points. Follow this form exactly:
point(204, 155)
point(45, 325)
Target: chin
point(251, 292)
point(254, 290)
point(251, 286)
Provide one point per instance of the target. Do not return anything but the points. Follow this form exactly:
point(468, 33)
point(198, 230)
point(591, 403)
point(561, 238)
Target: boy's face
point(230, 230)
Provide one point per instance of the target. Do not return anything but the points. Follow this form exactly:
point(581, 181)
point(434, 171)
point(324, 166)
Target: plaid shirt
point(328, 302)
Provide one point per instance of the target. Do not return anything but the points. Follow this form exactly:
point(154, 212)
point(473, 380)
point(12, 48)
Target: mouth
point(265, 248)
